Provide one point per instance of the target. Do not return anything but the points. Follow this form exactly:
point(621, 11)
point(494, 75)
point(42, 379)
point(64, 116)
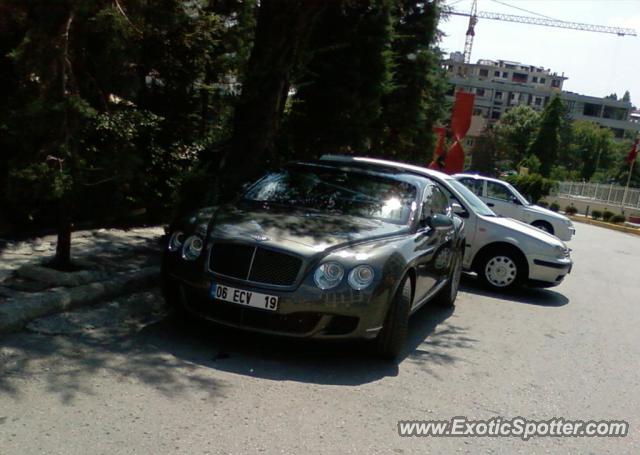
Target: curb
point(14, 315)
point(614, 227)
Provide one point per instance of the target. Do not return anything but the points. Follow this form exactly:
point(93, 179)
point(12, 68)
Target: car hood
point(523, 228)
point(299, 231)
point(546, 212)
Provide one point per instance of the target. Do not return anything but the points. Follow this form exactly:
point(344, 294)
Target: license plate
point(242, 297)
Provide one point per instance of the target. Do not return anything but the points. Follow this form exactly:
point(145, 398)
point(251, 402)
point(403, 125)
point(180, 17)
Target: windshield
point(337, 191)
point(471, 199)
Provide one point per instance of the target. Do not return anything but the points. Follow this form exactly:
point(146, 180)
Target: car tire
point(502, 268)
point(393, 336)
point(543, 225)
point(446, 297)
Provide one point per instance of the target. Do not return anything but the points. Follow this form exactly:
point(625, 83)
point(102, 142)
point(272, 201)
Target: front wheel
point(543, 225)
point(393, 336)
point(502, 268)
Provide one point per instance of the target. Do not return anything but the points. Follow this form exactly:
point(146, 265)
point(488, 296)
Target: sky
point(596, 64)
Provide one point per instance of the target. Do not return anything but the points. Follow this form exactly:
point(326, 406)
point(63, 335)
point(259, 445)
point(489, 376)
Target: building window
point(495, 115)
point(484, 72)
point(519, 77)
point(477, 112)
point(534, 79)
point(480, 91)
point(543, 80)
point(498, 95)
point(591, 110)
point(537, 101)
point(496, 73)
point(505, 74)
point(555, 83)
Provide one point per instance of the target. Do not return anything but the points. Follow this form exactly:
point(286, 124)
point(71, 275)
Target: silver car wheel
point(501, 271)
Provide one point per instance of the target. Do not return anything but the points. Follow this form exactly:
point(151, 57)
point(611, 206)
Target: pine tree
point(547, 141)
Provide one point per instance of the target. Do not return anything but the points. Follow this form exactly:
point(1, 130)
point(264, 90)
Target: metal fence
point(606, 193)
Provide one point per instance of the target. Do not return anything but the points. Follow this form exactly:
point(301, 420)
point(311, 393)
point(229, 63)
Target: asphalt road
point(92, 383)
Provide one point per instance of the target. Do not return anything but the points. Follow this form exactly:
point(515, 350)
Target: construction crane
point(473, 15)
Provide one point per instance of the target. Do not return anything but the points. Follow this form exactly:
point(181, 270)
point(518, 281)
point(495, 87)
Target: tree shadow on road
point(317, 362)
point(529, 296)
point(75, 363)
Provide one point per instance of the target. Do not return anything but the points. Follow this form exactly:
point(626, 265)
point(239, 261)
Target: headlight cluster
point(330, 274)
point(191, 248)
point(561, 252)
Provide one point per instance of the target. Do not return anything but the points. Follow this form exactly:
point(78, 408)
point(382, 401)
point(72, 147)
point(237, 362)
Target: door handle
point(490, 204)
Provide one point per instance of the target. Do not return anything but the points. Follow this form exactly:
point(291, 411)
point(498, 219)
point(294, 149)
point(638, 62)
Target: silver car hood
point(523, 228)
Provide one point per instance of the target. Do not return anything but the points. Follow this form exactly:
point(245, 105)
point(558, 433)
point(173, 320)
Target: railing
point(606, 193)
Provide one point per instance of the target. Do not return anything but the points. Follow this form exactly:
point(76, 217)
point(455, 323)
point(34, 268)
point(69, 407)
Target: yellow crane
point(474, 14)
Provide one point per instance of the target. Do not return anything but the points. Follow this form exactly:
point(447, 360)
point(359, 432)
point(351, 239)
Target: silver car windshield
point(471, 199)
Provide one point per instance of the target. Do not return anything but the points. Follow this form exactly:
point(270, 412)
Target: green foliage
point(547, 140)
point(483, 153)
point(533, 186)
point(606, 215)
point(618, 219)
point(570, 210)
point(515, 131)
point(554, 206)
point(596, 214)
point(543, 204)
point(532, 163)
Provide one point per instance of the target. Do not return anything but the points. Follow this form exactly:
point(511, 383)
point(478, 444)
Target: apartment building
point(500, 85)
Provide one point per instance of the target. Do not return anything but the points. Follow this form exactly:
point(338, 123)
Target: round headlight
point(328, 275)
point(361, 277)
point(192, 248)
point(175, 241)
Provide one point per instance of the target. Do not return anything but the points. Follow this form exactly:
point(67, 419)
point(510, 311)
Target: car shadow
point(303, 360)
point(526, 295)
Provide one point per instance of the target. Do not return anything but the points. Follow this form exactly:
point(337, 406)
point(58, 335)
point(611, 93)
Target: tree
point(282, 32)
point(338, 103)
point(590, 147)
point(612, 96)
point(627, 96)
point(483, 152)
point(416, 101)
point(547, 140)
point(515, 131)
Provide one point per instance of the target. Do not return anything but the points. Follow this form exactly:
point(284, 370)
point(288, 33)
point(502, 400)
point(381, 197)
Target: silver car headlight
point(567, 222)
point(561, 252)
point(175, 241)
point(192, 248)
point(328, 275)
point(361, 277)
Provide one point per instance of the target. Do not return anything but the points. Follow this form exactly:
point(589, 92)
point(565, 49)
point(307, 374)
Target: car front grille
point(255, 264)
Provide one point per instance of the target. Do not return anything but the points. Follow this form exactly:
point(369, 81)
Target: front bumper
point(307, 312)
point(547, 271)
point(565, 232)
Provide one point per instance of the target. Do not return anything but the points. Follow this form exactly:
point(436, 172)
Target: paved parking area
point(572, 351)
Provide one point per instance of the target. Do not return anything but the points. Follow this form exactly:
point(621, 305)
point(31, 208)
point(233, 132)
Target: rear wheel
point(545, 226)
point(502, 268)
point(447, 295)
point(393, 336)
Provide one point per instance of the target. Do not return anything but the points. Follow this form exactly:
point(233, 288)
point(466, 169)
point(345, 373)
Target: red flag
point(631, 157)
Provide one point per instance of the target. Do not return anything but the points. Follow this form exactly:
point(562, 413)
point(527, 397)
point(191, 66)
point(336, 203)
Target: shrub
point(554, 206)
point(596, 214)
point(570, 210)
point(618, 219)
point(606, 215)
point(543, 204)
point(533, 186)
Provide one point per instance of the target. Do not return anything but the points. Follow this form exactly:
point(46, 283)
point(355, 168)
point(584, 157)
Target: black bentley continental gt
point(338, 248)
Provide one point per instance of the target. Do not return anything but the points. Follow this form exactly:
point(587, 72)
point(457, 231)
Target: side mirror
point(438, 221)
point(459, 210)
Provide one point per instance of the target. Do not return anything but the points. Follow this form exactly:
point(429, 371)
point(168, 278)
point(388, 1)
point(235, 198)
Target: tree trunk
point(282, 31)
point(63, 246)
